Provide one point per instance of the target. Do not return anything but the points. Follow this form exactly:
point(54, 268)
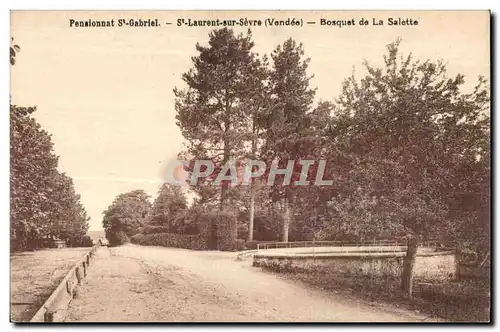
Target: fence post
point(78, 275)
point(48, 316)
point(69, 287)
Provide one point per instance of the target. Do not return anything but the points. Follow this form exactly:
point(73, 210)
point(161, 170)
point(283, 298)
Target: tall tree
point(69, 217)
point(123, 218)
point(212, 112)
point(286, 118)
point(32, 166)
point(168, 206)
point(43, 201)
point(256, 105)
point(405, 132)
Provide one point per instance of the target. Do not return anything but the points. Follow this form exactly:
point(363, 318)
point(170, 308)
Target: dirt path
point(133, 283)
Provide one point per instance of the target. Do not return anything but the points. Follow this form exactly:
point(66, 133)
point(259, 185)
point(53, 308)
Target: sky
point(106, 94)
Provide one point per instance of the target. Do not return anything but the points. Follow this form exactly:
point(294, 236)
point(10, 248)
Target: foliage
point(14, 49)
point(168, 208)
point(84, 241)
point(407, 130)
point(403, 136)
point(220, 228)
point(240, 245)
point(225, 224)
point(149, 229)
point(268, 225)
point(117, 238)
point(285, 120)
point(137, 238)
point(43, 201)
point(194, 242)
point(213, 113)
point(123, 218)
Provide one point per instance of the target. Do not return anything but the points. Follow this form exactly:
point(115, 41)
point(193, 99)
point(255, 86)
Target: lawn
point(35, 275)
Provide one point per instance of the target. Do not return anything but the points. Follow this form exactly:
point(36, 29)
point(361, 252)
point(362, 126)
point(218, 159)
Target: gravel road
point(153, 284)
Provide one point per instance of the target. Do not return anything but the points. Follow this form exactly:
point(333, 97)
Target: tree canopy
point(123, 218)
point(43, 201)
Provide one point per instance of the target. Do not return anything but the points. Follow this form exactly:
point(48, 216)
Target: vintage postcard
point(250, 166)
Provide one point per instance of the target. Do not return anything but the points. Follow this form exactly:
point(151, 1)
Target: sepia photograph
point(257, 166)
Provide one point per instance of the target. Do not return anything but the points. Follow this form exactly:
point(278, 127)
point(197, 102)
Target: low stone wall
point(437, 265)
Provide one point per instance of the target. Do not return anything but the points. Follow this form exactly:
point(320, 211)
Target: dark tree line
point(43, 201)
point(406, 147)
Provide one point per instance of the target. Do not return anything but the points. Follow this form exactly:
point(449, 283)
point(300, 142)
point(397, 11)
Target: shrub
point(86, 241)
point(137, 238)
point(217, 230)
point(227, 230)
point(195, 242)
point(203, 223)
point(220, 228)
point(116, 239)
point(267, 227)
point(150, 229)
point(240, 245)
point(223, 225)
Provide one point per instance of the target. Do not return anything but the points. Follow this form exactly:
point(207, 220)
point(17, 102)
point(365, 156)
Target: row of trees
point(43, 201)
point(133, 210)
point(407, 147)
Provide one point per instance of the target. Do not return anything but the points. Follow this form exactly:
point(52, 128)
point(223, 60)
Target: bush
point(220, 228)
point(137, 238)
point(86, 241)
point(217, 230)
point(195, 242)
point(268, 227)
point(203, 223)
point(150, 229)
point(227, 230)
point(240, 245)
point(116, 239)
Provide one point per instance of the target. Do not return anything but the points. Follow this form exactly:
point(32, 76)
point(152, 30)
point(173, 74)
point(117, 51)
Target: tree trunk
point(408, 264)
point(252, 212)
point(225, 185)
point(227, 151)
point(286, 220)
point(252, 191)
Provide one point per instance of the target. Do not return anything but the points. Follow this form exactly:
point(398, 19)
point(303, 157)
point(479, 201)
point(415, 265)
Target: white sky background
point(106, 94)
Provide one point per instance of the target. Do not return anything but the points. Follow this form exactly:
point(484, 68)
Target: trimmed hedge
point(227, 230)
point(220, 228)
point(149, 229)
point(136, 238)
point(240, 245)
point(195, 242)
point(117, 239)
point(217, 231)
